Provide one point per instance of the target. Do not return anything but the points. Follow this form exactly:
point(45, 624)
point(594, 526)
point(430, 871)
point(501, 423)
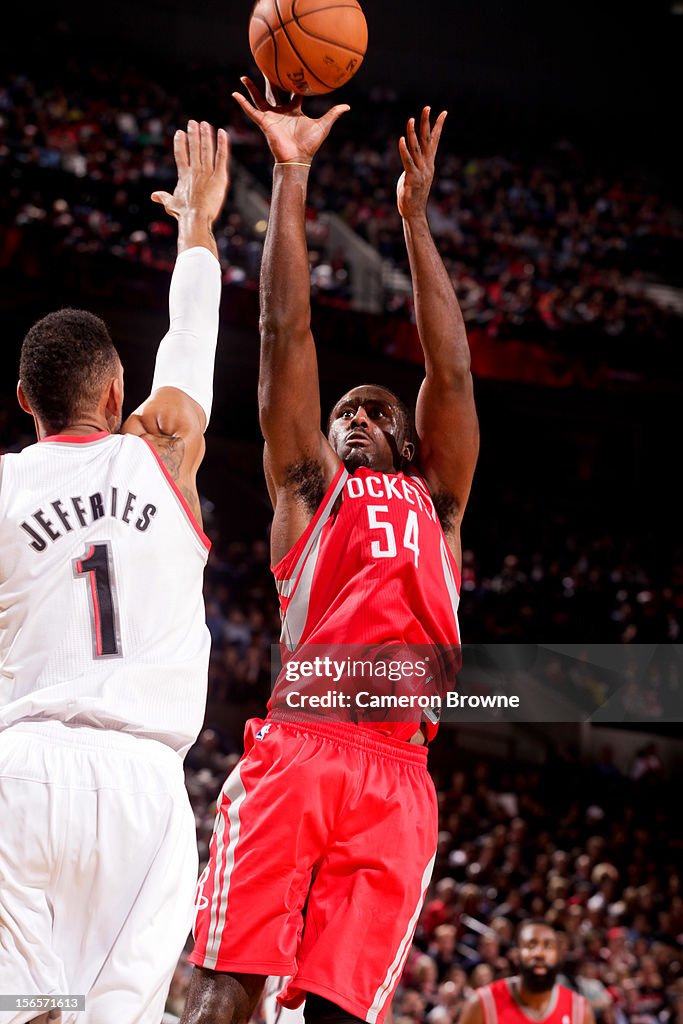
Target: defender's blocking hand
point(202, 160)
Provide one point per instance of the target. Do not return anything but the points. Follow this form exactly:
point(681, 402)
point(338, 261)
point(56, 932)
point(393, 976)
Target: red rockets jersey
point(373, 567)
point(500, 1005)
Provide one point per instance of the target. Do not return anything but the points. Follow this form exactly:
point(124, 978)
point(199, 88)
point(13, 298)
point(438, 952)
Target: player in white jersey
point(103, 643)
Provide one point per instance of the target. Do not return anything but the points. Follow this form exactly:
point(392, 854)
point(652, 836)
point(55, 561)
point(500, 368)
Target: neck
point(77, 429)
point(536, 1001)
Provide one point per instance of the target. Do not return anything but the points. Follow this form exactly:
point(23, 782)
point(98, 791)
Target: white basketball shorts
point(98, 865)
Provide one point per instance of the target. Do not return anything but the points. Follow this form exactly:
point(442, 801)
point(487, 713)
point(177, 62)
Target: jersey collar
point(76, 438)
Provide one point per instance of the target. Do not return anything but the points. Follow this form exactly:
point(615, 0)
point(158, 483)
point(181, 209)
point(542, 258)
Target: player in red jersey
point(325, 833)
point(533, 995)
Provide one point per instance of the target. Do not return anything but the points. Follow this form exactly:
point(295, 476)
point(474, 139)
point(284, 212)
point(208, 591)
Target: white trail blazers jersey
point(102, 618)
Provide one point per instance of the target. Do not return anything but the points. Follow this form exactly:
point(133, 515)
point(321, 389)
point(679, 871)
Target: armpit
point(307, 482)
point(446, 508)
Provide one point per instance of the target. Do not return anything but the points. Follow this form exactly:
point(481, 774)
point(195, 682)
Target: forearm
point(285, 278)
point(196, 228)
point(185, 359)
point(439, 320)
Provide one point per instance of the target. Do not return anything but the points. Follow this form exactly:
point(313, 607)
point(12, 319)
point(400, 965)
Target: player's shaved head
point(390, 427)
point(66, 360)
point(379, 390)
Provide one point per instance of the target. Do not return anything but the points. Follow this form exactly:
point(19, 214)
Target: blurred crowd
point(539, 245)
point(595, 849)
point(81, 153)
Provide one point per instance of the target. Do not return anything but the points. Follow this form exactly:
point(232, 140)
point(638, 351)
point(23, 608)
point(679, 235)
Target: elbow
point(462, 367)
point(453, 375)
point(277, 330)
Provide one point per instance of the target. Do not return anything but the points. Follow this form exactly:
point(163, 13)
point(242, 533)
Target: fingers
point(277, 100)
point(284, 102)
point(426, 147)
point(332, 115)
point(438, 128)
point(161, 197)
point(294, 104)
point(413, 144)
point(429, 137)
point(193, 144)
point(251, 112)
point(258, 99)
point(404, 152)
point(222, 150)
point(181, 152)
point(425, 129)
point(207, 145)
point(269, 91)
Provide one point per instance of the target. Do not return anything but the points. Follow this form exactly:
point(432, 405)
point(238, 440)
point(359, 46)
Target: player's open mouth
point(358, 439)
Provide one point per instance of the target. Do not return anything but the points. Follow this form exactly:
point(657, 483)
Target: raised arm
point(446, 418)
point(289, 395)
point(173, 419)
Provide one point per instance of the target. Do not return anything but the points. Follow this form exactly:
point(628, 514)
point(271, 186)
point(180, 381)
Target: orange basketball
point(308, 46)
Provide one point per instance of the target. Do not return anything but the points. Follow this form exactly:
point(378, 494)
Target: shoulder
point(581, 1009)
point(473, 1011)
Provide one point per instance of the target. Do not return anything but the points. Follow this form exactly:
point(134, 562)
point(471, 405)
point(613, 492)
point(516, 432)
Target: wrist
point(416, 217)
point(306, 164)
point(195, 228)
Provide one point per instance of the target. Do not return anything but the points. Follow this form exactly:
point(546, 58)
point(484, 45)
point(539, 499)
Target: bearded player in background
point(534, 994)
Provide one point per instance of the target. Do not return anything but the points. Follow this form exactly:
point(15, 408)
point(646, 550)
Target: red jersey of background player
point(501, 1007)
point(372, 568)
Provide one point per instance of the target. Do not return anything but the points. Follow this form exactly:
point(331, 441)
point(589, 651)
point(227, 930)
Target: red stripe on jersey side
point(296, 549)
point(76, 438)
point(179, 495)
point(454, 565)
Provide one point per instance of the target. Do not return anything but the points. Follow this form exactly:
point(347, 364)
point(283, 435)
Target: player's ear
point(408, 451)
point(114, 401)
point(22, 399)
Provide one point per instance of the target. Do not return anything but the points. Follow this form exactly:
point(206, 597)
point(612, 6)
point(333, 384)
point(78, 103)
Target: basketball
point(308, 46)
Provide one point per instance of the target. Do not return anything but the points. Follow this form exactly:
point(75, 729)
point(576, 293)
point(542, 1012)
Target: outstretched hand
point(291, 135)
point(417, 157)
point(203, 177)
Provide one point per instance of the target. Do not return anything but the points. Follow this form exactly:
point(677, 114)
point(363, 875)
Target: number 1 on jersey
point(96, 567)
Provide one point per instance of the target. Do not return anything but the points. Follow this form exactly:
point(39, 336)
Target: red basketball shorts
point(321, 854)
